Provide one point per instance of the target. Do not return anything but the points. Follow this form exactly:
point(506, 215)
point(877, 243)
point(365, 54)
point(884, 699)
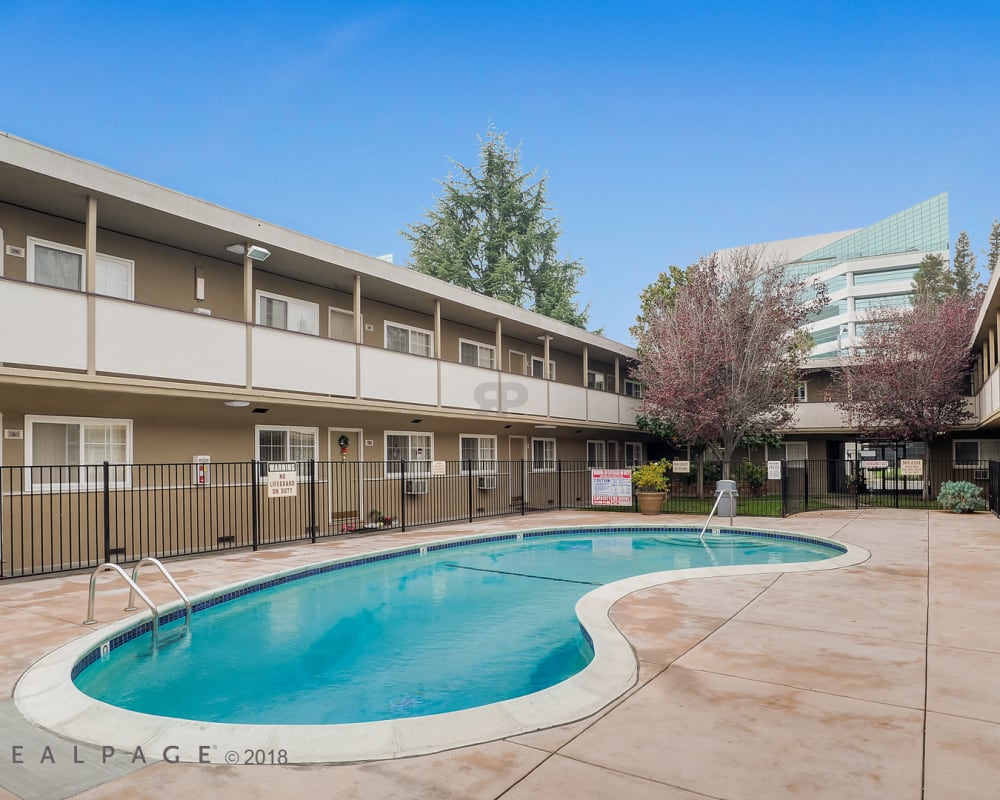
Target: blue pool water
point(419, 634)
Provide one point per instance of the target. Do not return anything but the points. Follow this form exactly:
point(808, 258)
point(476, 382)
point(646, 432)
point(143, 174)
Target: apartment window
point(801, 394)
point(477, 355)
point(64, 451)
point(53, 264)
point(417, 449)
point(543, 455)
point(538, 368)
point(633, 389)
point(597, 454)
point(286, 444)
point(966, 453)
point(633, 454)
point(287, 313)
point(405, 339)
point(480, 450)
point(796, 451)
point(595, 380)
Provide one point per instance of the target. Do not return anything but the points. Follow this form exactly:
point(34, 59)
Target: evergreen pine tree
point(933, 281)
point(489, 233)
point(994, 254)
point(964, 266)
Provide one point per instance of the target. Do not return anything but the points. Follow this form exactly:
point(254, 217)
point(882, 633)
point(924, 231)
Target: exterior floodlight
point(258, 253)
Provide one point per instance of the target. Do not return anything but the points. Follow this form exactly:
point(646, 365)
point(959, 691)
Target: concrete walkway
point(875, 681)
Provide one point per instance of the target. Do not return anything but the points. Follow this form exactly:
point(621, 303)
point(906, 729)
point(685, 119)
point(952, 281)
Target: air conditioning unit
point(982, 475)
point(487, 482)
point(416, 487)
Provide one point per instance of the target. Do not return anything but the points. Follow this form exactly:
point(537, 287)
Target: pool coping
point(47, 697)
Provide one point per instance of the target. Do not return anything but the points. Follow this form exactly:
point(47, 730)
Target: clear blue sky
point(668, 129)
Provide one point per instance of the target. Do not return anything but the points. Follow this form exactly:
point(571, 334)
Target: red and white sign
point(282, 480)
point(611, 487)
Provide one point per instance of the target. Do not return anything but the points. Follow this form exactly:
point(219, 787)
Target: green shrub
point(753, 475)
point(960, 496)
point(652, 477)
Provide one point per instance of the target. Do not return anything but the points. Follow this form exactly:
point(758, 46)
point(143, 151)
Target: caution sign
point(282, 479)
point(611, 487)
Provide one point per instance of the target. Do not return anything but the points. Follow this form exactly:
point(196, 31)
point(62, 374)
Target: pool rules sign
point(611, 487)
point(282, 479)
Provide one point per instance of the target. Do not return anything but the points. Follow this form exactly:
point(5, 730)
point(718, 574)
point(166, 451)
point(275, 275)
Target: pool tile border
point(45, 697)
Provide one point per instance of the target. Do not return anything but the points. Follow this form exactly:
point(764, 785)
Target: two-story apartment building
point(141, 325)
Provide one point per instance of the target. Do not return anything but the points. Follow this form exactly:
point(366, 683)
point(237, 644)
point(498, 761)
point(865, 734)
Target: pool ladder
point(134, 590)
point(718, 499)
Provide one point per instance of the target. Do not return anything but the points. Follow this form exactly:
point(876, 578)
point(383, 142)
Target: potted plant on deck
point(651, 483)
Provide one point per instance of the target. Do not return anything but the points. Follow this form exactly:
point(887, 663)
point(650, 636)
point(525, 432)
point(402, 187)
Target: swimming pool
point(468, 631)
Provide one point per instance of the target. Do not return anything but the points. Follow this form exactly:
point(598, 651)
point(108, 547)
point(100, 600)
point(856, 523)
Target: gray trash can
point(727, 504)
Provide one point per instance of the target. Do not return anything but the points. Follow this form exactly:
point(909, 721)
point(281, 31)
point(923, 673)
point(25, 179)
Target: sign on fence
point(282, 480)
point(874, 464)
point(774, 470)
point(611, 487)
point(439, 468)
point(681, 467)
point(911, 466)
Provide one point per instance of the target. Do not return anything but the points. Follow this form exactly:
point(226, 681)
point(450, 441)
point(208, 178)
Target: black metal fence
point(837, 483)
point(61, 518)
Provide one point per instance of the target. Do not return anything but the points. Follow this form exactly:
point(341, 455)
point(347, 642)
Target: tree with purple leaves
point(721, 358)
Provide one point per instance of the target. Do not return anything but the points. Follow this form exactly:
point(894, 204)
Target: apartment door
point(517, 364)
point(346, 474)
point(341, 324)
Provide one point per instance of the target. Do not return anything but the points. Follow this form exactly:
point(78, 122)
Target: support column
point(437, 328)
point(499, 361)
point(586, 365)
point(993, 350)
point(359, 336)
point(618, 382)
point(248, 309)
point(545, 361)
point(90, 270)
point(986, 363)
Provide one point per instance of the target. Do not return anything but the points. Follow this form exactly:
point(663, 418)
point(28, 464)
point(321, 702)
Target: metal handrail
point(109, 567)
point(732, 504)
point(170, 579)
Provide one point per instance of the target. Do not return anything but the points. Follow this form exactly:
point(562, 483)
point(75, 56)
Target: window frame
point(261, 294)
point(592, 376)
point(480, 346)
point(553, 460)
point(541, 360)
point(633, 462)
point(604, 457)
point(636, 393)
point(32, 241)
point(386, 324)
point(29, 422)
point(262, 465)
point(803, 395)
point(410, 472)
point(491, 463)
point(801, 443)
point(965, 464)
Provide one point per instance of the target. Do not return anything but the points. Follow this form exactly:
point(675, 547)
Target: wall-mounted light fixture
point(255, 253)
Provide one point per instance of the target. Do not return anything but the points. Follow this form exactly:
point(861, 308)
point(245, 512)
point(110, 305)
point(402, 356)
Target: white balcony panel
point(821, 416)
point(388, 375)
point(568, 402)
point(603, 406)
point(463, 386)
point(628, 409)
point(520, 394)
point(134, 339)
point(42, 327)
point(298, 363)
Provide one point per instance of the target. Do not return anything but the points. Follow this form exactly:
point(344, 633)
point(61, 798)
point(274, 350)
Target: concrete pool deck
point(877, 680)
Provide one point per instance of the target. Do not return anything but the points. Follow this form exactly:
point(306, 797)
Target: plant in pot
point(651, 482)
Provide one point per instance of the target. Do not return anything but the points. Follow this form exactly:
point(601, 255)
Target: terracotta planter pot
point(651, 502)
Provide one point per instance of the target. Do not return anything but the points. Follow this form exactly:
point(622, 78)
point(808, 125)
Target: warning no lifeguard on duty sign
point(282, 479)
